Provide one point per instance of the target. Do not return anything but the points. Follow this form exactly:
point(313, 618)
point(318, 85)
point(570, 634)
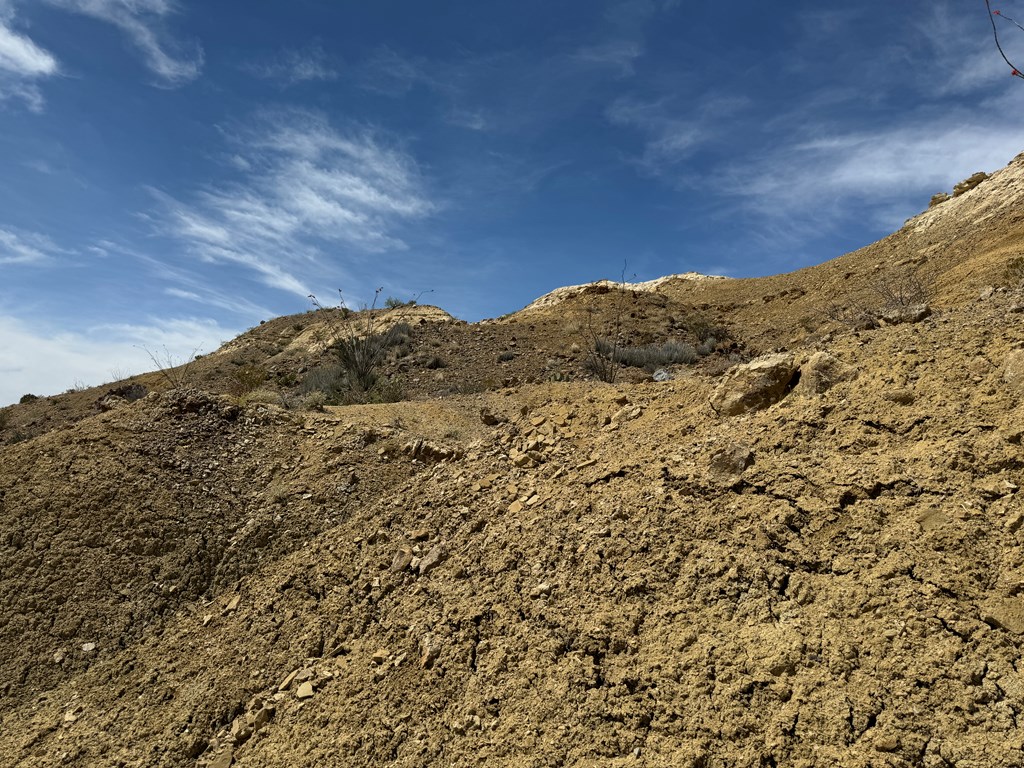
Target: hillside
point(803, 548)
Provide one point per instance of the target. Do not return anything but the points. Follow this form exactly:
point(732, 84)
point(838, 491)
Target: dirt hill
point(804, 547)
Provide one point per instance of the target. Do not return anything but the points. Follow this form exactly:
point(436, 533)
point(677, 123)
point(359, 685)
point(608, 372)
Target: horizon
point(176, 173)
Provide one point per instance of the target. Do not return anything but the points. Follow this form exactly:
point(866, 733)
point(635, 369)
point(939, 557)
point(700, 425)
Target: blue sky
point(174, 172)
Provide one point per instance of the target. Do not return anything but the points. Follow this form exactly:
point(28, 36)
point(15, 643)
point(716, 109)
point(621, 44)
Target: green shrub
point(28, 399)
point(650, 357)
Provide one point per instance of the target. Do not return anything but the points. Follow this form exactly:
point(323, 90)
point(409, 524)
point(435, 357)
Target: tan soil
point(549, 573)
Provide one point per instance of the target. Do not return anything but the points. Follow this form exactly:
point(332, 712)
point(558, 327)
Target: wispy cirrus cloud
point(291, 67)
point(25, 248)
point(888, 173)
point(22, 63)
point(306, 189)
point(143, 21)
point(672, 133)
point(617, 55)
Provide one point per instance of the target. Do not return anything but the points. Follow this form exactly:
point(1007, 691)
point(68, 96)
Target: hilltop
point(789, 534)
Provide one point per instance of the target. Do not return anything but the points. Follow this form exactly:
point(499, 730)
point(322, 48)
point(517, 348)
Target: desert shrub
point(314, 401)
point(434, 363)
point(246, 379)
point(29, 398)
point(175, 371)
point(601, 360)
point(392, 303)
point(389, 390)
point(707, 346)
point(329, 379)
point(650, 357)
point(902, 289)
point(17, 437)
point(5, 419)
point(1013, 274)
point(361, 351)
point(703, 329)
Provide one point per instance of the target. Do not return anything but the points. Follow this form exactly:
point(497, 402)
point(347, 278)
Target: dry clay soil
point(553, 574)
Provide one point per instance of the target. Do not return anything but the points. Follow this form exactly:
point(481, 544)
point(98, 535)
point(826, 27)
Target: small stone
point(1005, 613)
point(401, 561)
point(430, 649)
point(887, 743)
point(89, 647)
point(900, 396)
point(627, 413)
point(305, 691)
point(515, 507)
point(662, 375)
point(240, 730)
point(1015, 522)
point(541, 590)
point(70, 717)
point(1013, 371)
point(222, 760)
point(488, 418)
point(287, 682)
point(233, 604)
point(420, 534)
point(261, 717)
point(380, 656)
point(432, 559)
point(59, 656)
point(207, 618)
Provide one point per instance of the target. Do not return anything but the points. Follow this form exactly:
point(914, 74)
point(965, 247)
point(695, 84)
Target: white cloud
point(22, 63)
point(25, 248)
point(889, 172)
point(297, 66)
point(46, 363)
point(306, 188)
point(142, 22)
point(22, 57)
point(672, 135)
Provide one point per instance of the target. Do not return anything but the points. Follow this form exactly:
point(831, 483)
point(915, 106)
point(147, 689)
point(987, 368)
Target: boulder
point(755, 385)
point(914, 313)
point(969, 183)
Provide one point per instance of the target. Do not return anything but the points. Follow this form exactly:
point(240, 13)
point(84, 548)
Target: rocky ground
point(814, 557)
